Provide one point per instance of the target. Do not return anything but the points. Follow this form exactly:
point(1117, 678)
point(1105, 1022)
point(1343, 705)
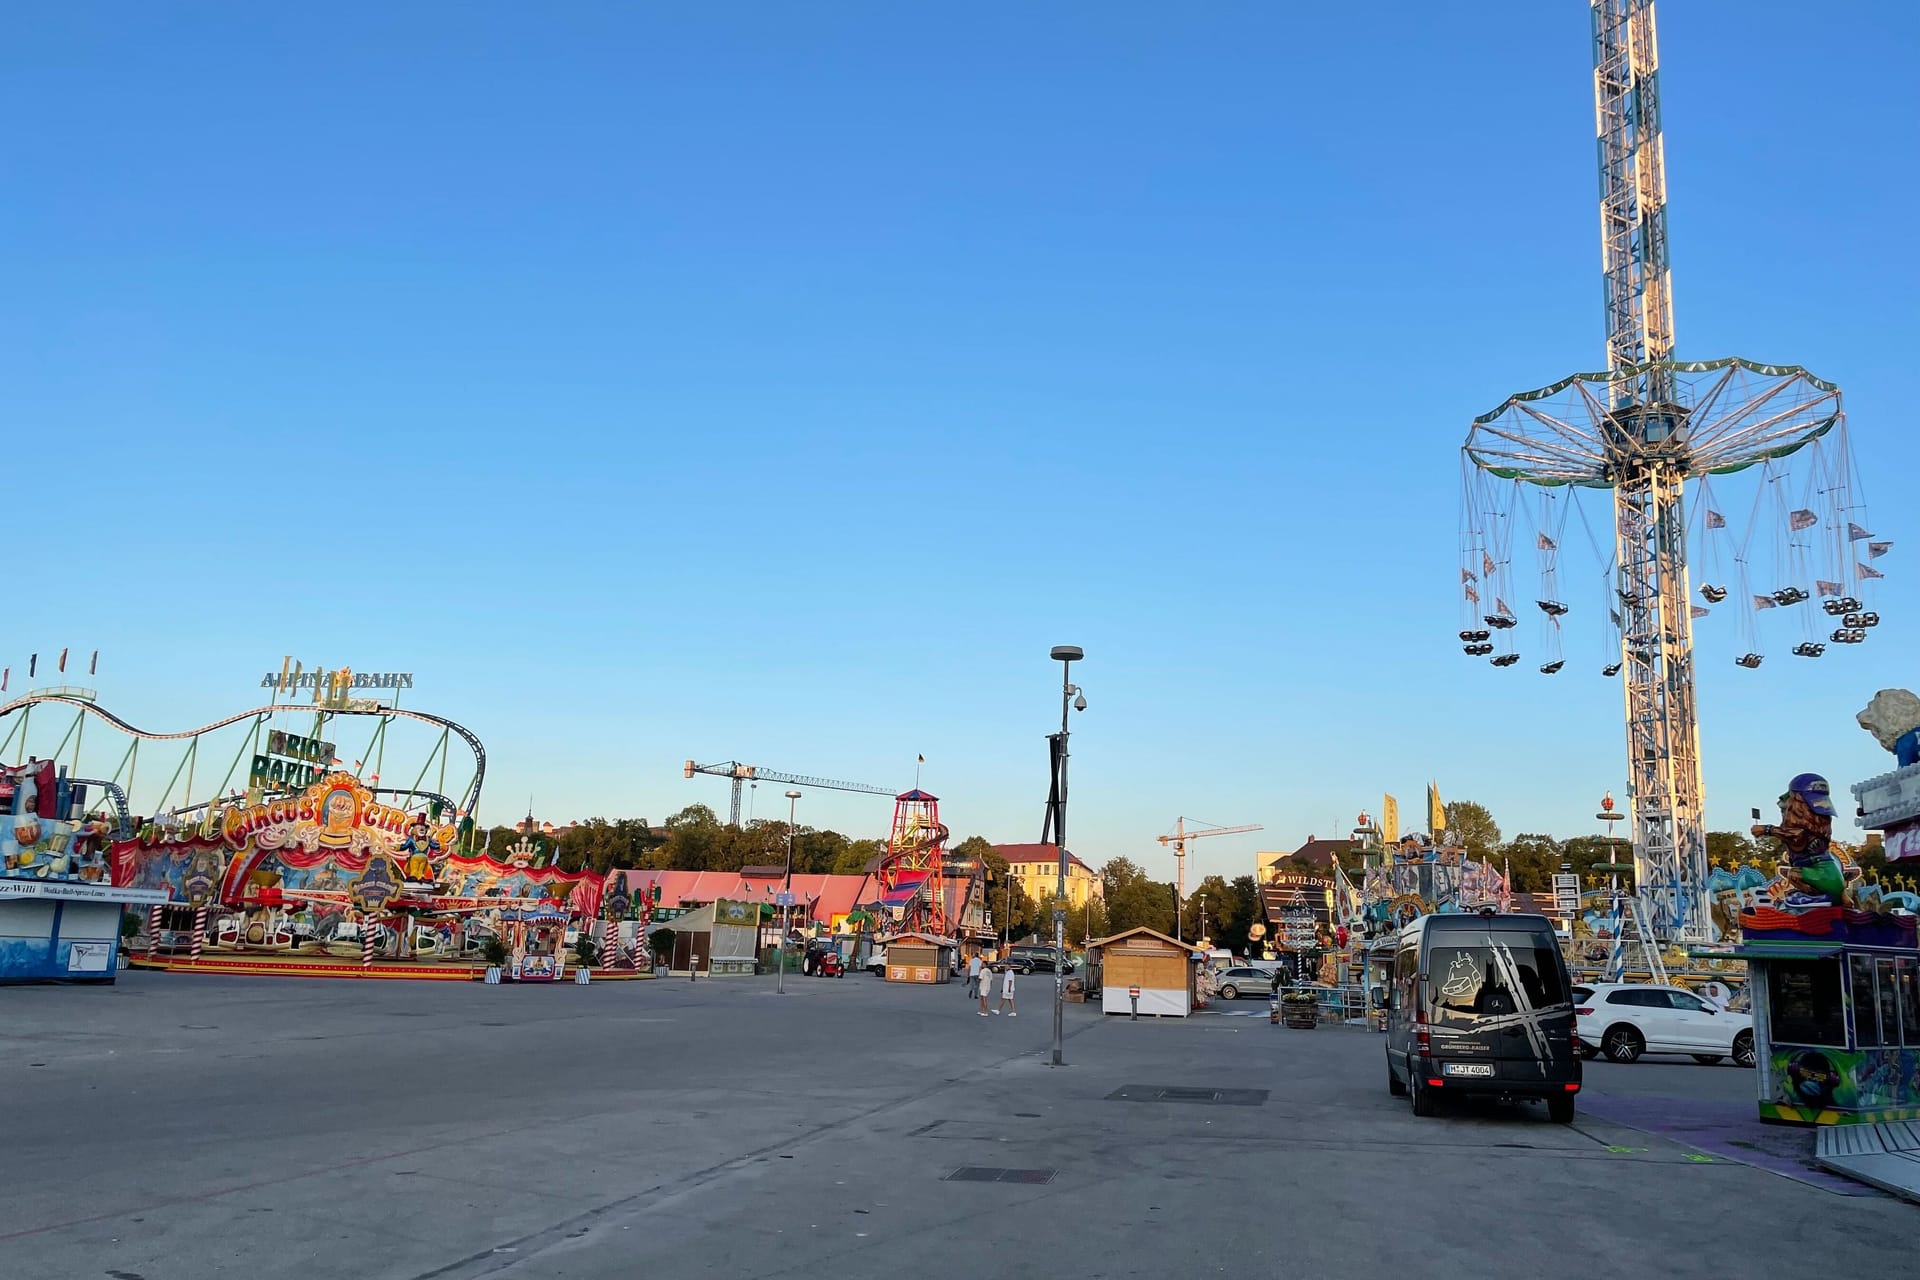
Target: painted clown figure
point(1814, 875)
point(417, 852)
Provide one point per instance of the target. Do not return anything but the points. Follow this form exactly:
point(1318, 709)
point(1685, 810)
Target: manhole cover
point(1186, 1093)
point(981, 1173)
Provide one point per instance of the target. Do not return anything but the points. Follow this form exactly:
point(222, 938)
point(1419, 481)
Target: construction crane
point(1178, 838)
point(742, 774)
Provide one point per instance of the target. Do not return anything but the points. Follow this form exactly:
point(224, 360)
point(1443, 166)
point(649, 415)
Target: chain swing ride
point(1641, 431)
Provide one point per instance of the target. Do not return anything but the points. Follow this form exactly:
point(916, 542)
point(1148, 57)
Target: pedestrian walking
point(1006, 993)
point(974, 966)
point(980, 986)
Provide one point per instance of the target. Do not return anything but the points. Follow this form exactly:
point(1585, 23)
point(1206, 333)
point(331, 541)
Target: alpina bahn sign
point(325, 679)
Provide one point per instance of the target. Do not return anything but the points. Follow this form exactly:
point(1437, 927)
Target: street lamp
point(1203, 919)
point(1071, 698)
point(786, 896)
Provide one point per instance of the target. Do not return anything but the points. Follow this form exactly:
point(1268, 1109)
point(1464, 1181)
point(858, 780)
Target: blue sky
point(780, 382)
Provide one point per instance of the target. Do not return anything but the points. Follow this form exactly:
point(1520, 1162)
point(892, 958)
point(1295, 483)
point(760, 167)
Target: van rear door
point(1500, 994)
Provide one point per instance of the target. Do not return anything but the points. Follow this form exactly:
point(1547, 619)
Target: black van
point(1481, 1004)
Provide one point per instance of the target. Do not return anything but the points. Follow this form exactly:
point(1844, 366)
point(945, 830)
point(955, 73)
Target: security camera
point(1080, 703)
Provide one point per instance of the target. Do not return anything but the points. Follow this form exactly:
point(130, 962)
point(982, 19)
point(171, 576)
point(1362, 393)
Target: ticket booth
point(1836, 1030)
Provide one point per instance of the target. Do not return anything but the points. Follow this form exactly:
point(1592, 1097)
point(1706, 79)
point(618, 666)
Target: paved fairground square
point(178, 1127)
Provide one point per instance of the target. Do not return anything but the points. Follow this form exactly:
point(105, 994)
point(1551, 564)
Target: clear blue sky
point(780, 382)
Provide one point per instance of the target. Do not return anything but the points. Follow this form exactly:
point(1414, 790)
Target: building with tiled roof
point(1036, 868)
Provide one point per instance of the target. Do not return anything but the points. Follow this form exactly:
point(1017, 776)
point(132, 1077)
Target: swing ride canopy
point(1732, 414)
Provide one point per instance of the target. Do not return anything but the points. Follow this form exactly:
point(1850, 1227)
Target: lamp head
point(793, 795)
point(1068, 653)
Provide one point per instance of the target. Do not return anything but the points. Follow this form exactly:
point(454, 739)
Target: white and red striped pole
point(366, 942)
point(611, 951)
point(153, 929)
point(199, 934)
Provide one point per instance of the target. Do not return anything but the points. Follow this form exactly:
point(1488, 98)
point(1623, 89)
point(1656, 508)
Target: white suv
point(1625, 1020)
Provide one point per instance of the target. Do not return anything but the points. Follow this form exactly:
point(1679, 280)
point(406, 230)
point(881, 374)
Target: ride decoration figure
point(418, 849)
point(1814, 875)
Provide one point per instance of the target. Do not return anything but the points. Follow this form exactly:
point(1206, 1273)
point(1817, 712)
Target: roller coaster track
point(94, 709)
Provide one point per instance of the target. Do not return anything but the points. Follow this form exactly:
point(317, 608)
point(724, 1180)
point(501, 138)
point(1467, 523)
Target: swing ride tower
point(1642, 429)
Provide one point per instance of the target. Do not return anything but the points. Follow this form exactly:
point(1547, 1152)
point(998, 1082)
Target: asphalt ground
point(174, 1127)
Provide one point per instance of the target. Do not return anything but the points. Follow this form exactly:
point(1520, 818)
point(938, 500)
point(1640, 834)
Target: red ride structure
point(913, 879)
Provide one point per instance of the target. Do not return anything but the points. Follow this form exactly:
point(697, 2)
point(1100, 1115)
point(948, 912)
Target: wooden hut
point(1163, 969)
point(918, 957)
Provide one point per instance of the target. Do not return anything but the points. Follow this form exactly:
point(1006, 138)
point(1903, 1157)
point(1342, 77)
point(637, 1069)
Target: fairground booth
point(1832, 954)
point(919, 957)
point(60, 913)
point(1164, 970)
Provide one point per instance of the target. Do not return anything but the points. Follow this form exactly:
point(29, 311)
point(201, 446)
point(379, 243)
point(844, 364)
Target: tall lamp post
point(786, 895)
point(1202, 939)
point(1070, 699)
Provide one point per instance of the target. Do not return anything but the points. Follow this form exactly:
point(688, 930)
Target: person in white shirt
point(973, 975)
point(1006, 993)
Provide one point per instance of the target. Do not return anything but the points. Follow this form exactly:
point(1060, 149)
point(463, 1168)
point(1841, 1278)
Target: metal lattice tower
point(1642, 428)
point(1647, 452)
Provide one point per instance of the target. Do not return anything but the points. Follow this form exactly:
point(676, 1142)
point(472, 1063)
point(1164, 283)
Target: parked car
point(1626, 1020)
point(1032, 959)
point(1245, 980)
point(877, 962)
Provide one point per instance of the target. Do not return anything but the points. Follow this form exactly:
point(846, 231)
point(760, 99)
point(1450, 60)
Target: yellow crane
point(1178, 838)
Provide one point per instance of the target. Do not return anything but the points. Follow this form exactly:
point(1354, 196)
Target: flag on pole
point(1868, 571)
point(1855, 533)
point(33, 666)
point(1831, 588)
point(1473, 595)
point(1546, 543)
point(1436, 811)
point(1802, 519)
point(1698, 611)
point(1486, 564)
point(93, 667)
point(5, 675)
point(1764, 602)
point(1466, 575)
point(1877, 549)
point(1715, 520)
point(1500, 607)
point(63, 661)
point(1390, 820)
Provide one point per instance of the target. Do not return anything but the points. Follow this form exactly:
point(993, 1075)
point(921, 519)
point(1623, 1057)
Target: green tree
point(1471, 826)
point(1133, 900)
point(1731, 848)
point(1220, 919)
point(1531, 860)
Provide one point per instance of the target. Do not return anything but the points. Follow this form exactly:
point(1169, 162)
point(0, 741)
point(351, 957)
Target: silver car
point(1245, 981)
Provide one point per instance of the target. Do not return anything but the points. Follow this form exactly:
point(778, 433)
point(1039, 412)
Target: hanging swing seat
point(1808, 649)
point(1712, 594)
point(1550, 668)
point(1611, 669)
point(1478, 650)
point(1840, 605)
point(1505, 659)
point(1844, 636)
point(1631, 598)
point(1790, 595)
point(1501, 621)
point(1474, 637)
point(1868, 619)
point(1750, 661)
point(1552, 608)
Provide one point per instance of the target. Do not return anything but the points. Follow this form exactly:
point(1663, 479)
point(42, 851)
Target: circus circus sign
point(335, 815)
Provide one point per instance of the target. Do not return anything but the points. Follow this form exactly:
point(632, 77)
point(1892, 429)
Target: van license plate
point(1469, 1069)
